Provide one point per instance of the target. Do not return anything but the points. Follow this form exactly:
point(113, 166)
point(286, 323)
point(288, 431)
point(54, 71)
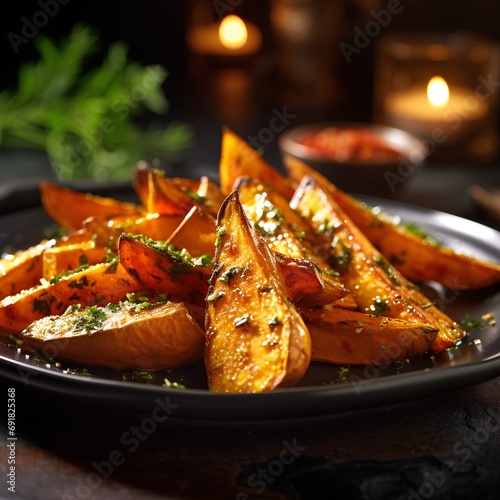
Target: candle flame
point(233, 33)
point(438, 92)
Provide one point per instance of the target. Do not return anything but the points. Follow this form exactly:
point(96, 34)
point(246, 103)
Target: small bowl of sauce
point(358, 157)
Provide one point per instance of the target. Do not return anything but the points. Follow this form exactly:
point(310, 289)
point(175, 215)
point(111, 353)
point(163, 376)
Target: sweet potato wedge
point(22, 269)
point(256, 339)
point(105, 230)
point(125, 335)
point(305, 282)
point(160, 194)
point(196, 233)
point(239, 159)
point(418, 258)
point(285, 232)
point(59, 259)
point(96, 285)
point(69, 208)
point(159, 267)
point(175, 195)
point(346, 337)
point(378, 288)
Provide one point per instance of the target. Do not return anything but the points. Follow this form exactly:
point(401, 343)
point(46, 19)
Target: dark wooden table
point(445, 446)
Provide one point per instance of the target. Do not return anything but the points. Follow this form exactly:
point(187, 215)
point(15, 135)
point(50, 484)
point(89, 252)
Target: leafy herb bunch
point(85, 118)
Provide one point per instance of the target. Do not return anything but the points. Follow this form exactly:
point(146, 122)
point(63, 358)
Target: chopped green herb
point(330, 272)
point(420, 232)
point(340, 379)
point(221, 231)
point(172, 385)
point(111, 257)
point(90, 318)
point(326, 227)
point(379, 307)
point(138, 376)
point(389, 270)
point(468, 324)
point(342, 257)
point(275, 321)
point(300, 234)
point(79, 284)
point(196, 197)
point(72, 309)
point(43, 306)
point(214, 297)
point(229, 274)
point(67, 273)
point(343, 372)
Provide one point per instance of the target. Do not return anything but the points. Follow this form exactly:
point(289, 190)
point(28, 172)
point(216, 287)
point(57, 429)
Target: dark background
point(155, 33)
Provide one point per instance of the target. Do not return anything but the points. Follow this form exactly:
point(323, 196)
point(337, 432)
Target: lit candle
point(423, 109)
point(230, 37)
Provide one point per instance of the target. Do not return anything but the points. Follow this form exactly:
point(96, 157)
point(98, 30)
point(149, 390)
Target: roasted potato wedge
point(239, 159)
point(22, 269)
point(256, 339)
point(159, 267)
point(59, 259)
point(418, 258)
point(287, 233)
point(379, 289)
point(346, 337)
point(160, 194)
point(203, 190)
point(69, 208)
point(125, 335)
point(304, 281)
point(96, 285)
point(175, 195)
point(196, 233)
point(106, 230)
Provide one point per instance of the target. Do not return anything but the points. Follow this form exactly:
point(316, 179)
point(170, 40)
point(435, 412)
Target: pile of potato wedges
point(258, 276)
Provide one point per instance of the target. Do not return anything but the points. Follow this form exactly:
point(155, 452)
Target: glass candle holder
point(443, 88)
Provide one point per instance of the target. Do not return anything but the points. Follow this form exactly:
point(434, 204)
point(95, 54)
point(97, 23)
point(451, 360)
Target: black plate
point(325, 388)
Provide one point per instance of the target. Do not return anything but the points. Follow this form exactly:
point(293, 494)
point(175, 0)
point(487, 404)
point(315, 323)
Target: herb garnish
point(229, 274)
point(389, 270)
point(468, 324)
point(172, 385)
point(81, 110)
point(90, 318)
point(379, 307)
point(420, 232)
point(342, 257)
point(138, 376)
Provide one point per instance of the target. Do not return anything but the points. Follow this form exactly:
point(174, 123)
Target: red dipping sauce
point(350, 145)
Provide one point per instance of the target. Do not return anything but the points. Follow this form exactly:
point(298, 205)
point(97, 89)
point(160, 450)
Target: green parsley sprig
point(83, 112)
